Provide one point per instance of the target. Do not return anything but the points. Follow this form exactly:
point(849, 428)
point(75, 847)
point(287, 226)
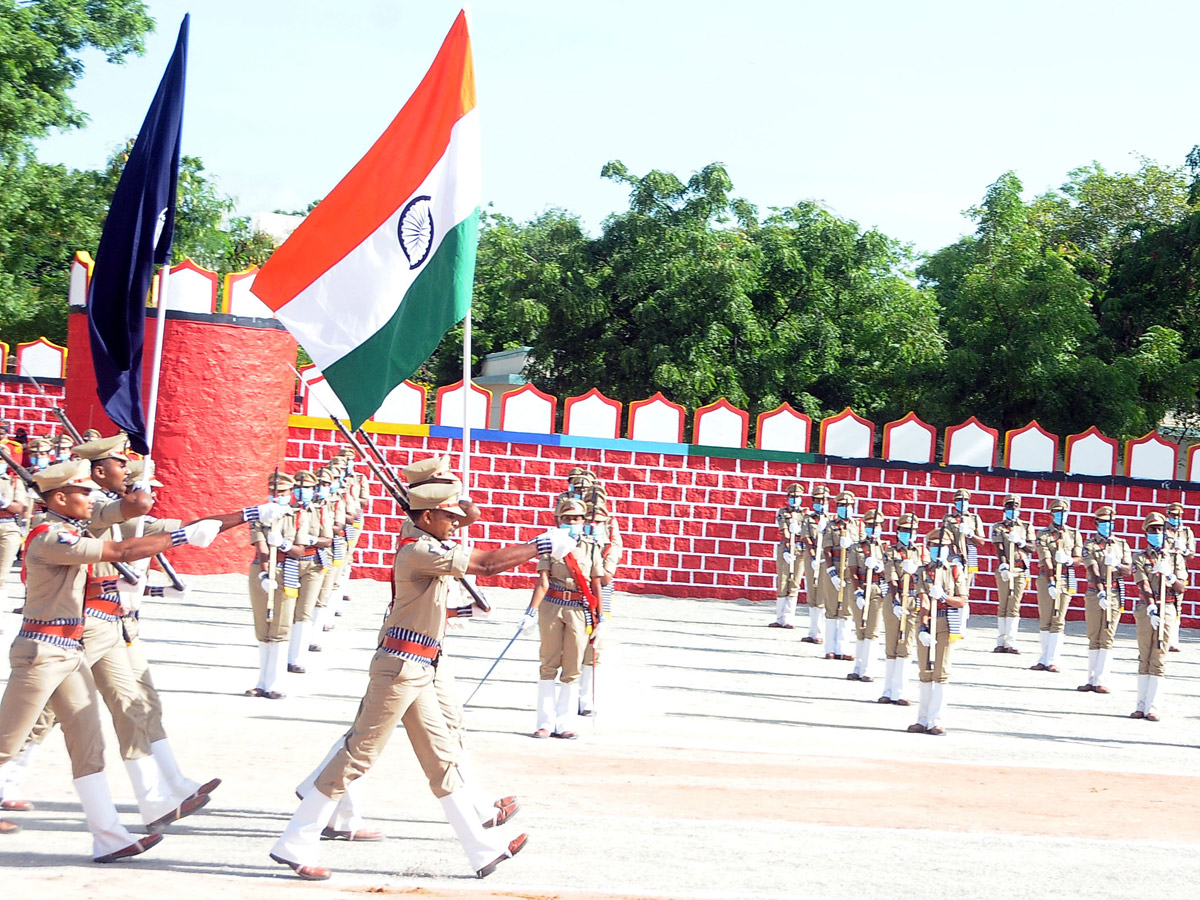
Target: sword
point(511, 641)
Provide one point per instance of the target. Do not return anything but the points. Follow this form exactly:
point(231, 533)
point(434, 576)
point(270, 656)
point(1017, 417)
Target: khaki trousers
point(1152, 659)
point(45, 674)
point(592, 652)
point(1101, 623)
point(10, 543)
point(312, 577)
point(328, 579)
point(941, 658)
point(1010, 593)
point(812, 582)
point(866, 621)
point(141, 671)
point(564, 637)
point(398, 690)
point(275, 627)
point(898, 633)
point(449, 702)
point(787, 578)
point(831, 595)
point(1052, 612)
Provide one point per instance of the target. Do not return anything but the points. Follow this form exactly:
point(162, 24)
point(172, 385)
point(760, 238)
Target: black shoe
point(295, 669)
point(314, 648)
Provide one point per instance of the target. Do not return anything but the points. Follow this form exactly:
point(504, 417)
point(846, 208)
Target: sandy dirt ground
point(729, 761)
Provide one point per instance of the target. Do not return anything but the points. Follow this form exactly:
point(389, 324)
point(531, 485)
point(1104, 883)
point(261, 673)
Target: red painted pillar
point(225, 394)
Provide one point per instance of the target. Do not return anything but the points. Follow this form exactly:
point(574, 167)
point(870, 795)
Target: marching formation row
point(853, 575)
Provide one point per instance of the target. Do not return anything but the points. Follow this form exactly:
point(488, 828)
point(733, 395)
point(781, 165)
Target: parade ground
point(729, 760)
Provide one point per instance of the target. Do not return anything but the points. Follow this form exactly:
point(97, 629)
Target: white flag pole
point(466, 423)
point(155, 370)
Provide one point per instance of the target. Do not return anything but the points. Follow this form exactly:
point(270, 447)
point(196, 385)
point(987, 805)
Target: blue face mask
point(282, 499)
point(1104, 529)
point(818, 508)
point(1174, 521)
point(575, 530)
point(941, 554)
point(1058, 516)
point(843, 511)
point(905, 537)
point(960, 505)
point(322, 491)
point(791, 502)
point(40, 462)
point(589, 529)
point(1156, 539)
point(303, 494)
point(1009, 514)
point(870, 530)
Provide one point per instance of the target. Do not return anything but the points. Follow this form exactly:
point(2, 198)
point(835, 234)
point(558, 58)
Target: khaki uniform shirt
point(812, 531)
point(1095, 549)
point(856, 561)
point(1181, 539)
point(954, 522)
point(951, 577)
point(1051, 539)
point(12, 489)
point(588, 553)
point(56, 570)
point(1015, 539)
point(894, 559)
point(837, 528)
point(1147, 579)
point(790, 523)
point(422, 574)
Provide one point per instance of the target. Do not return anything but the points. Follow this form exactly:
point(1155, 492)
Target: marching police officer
point(810, 542)
point(843, 532)
point(1059, 549)
point(943, 587)
point(1161, 575)
point(789, 563)
point(903, 565)
point(1012, 540)
point(866, 568)
point(1106, 561)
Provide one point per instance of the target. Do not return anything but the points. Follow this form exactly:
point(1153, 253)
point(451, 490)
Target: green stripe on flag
point(437, 300)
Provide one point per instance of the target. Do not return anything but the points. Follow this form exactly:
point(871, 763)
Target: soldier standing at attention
point(602, 527)
point(843, 532)
point(1182, 538)
point(1059, 549)
point(566, 621)
point(1106, 561)
point(903, 566)
point(866, 569)
point(789, 563)
point(48, 664)
point(272, 605)
point(401, 687)
point(1012, 539)
point(966, 535)
point(943, 590)
point(810, 542)
point(1161, 575)
point(14, 507)
point(305, 572)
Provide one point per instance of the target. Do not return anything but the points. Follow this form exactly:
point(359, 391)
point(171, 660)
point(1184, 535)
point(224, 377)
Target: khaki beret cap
point(1175, 507)
point(437, 495)
point(305, 479)
point(962, 494)
point(1104, 512)
point(938, 537)
point(907, 520)
point(280, 481)
point(134, 470)
point(795, 490)
point(74, 473)
point(846, 497)
point(324, 473)
point(1153, 519)
point(424, 469)
point(1013, 499)
point(104, 448)
point(873, 517)
point(38, 445)
point(819, 490)
point(91, 434)
point(569, 506)
point(1059, 503)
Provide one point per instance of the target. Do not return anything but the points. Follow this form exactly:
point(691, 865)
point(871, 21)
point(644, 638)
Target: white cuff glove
point(1162, 567)
point(794, 528)
point(201, 534)
point(898, 610)
point(267, 583)
point(1003, 572)
point(557, 541)
point(1061, 557)
point(1102, 599)
point(833, 577)
point(1169, 578)
point(528, 621)
point(1052, 590)
point(1019, 544)
point(1152, 612)
point(874, 564)
point(910, 567)
point(860, 599)
point(130, 594)
point(274, 539)
point(597, 628)
point(845, 542)
point(816, 567)
point(1111, 559)
point(967, 529)
point(173, 593)
point(142, 485)
point(788, 559)
point(267, 513)
point(937, 592)
point(925, 638)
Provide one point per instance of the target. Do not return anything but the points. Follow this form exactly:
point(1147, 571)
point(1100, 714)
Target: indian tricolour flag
point(384, 266)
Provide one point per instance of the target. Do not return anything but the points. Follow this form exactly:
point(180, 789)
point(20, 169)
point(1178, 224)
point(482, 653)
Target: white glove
point(528, 621)
point(268, 584)
point(967, 529)
point(1163, 567)
point(794, 528)
point(597, 628)
point(925, 638)
point(816, 564)
point(1102, 599)
point(874, 564)
point(788, 558)
point(860, 599)
point(274, 539)
point(1169, 578)
point(1003, 572)
point(201, 534)
point(1111, 559)
point(1180, 543)
point(937, 592)
point(845, 542)
point(1019, 544)
point(1052, 590)
point(270, 513)
point(456, 625)
point(1061, 557)
point(833, 576)
point(558, 542)
point(173, 593)
point(130, 594)
point(1152, 612)
point(898, 610)
point(910, 567)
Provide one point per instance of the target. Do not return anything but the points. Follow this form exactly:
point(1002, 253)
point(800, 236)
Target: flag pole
point(466, 423)
point(160, 320)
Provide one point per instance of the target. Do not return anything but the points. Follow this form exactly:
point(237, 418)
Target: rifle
point(126, 571)
point(58, 411)
point(933, 609)
point(1160, 632)
point(390, 483)
point(68, 427)
point(841, 575)
point(272, 556)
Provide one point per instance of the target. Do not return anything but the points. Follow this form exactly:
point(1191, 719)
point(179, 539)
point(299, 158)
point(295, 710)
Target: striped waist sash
point(66, 633)
point(411, 645)
point(102, 600)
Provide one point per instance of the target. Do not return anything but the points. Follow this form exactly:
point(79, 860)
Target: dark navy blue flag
point(136, 239)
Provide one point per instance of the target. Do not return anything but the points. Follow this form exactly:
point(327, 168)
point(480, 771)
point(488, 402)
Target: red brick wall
point(24, 407)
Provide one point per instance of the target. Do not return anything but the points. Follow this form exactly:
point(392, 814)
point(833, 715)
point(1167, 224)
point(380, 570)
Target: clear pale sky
point(895, 114)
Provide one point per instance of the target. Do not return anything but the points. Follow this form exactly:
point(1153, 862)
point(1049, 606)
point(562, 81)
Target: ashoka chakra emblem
point(416, 230)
